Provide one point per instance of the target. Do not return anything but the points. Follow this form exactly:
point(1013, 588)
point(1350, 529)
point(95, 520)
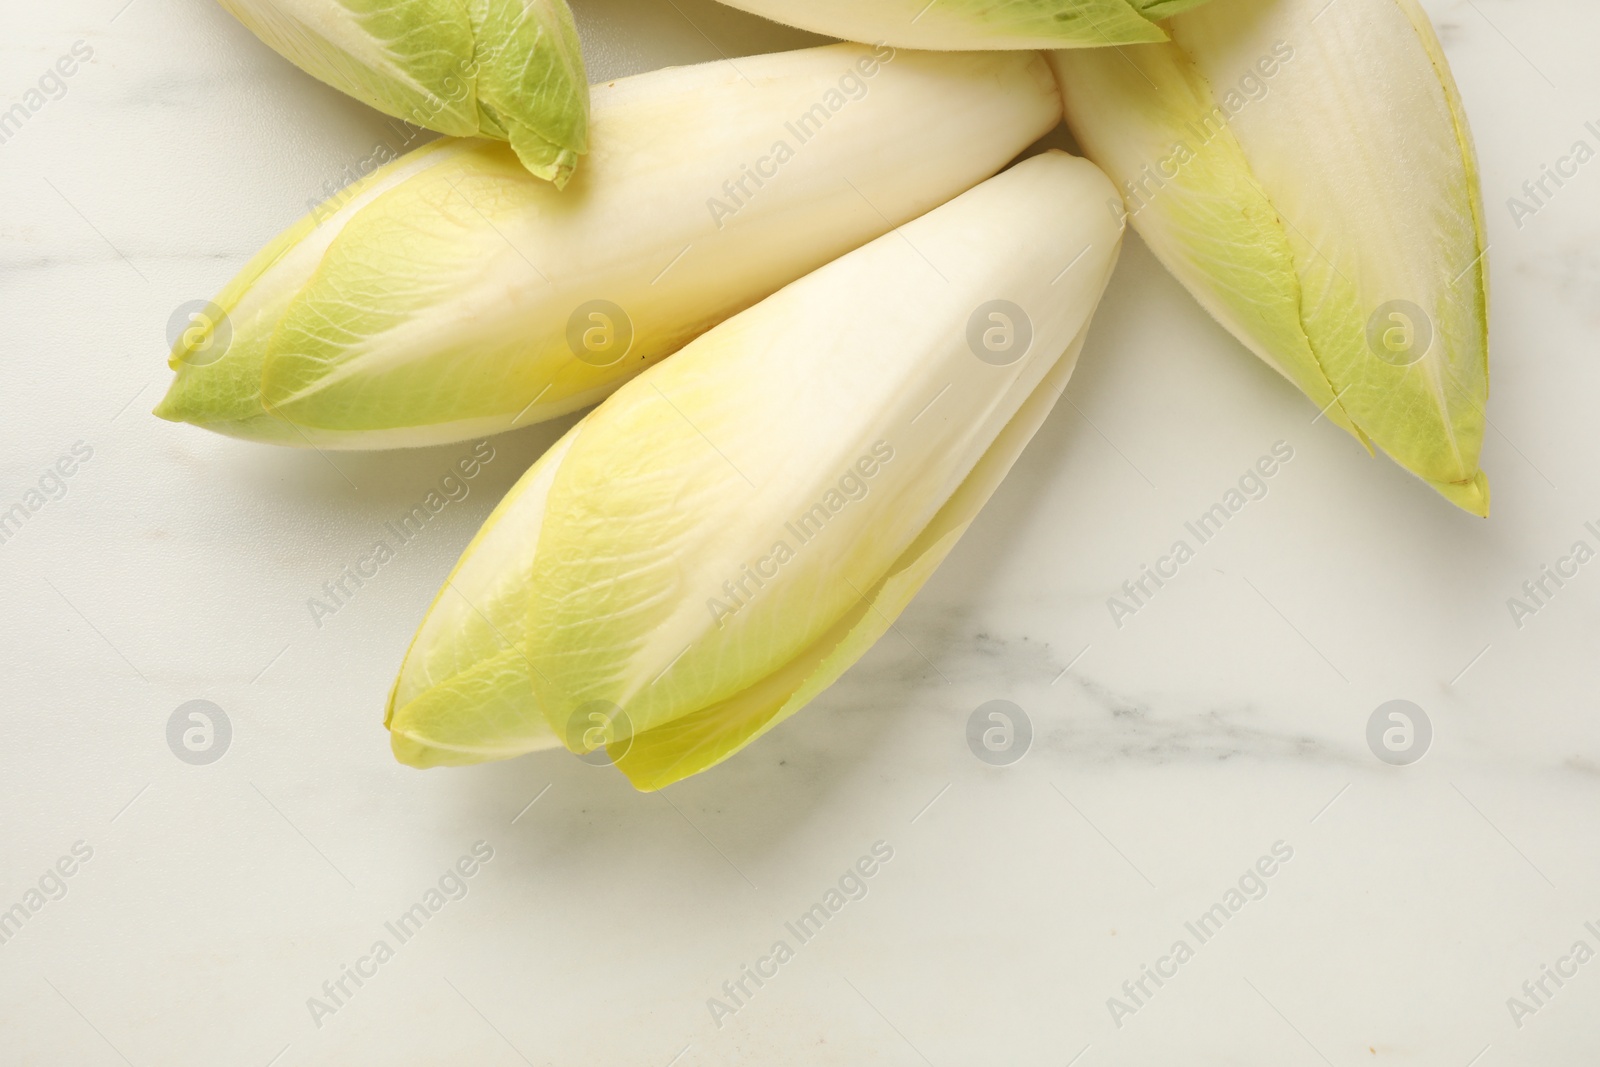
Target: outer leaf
point(225, 394)
point(531, 85)
point(465, 691)
point(509, 69)
point(434, 303)
point(669, 753)
point(975, 24)
point(1214, 226)
point(396, 57)
point(403, 323)
point(1322, 192)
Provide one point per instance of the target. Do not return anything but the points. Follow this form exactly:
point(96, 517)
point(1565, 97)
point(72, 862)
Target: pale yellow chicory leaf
point(506, 69)
point(450, 295)
point(1305, 169)
point(976, 24)
point(723, 537)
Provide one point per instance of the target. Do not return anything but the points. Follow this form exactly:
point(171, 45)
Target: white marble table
point(208, 903)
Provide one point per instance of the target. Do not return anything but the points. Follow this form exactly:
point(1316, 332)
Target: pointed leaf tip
point(1471, 496)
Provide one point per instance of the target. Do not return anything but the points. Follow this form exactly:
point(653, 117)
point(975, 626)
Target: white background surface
point(1228, 715)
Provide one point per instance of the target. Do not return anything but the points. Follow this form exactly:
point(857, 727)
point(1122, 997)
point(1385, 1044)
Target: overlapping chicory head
point(1305, 169)
point(715, 544)
point(976, 24)
point(506, 69)
point(450, 295)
